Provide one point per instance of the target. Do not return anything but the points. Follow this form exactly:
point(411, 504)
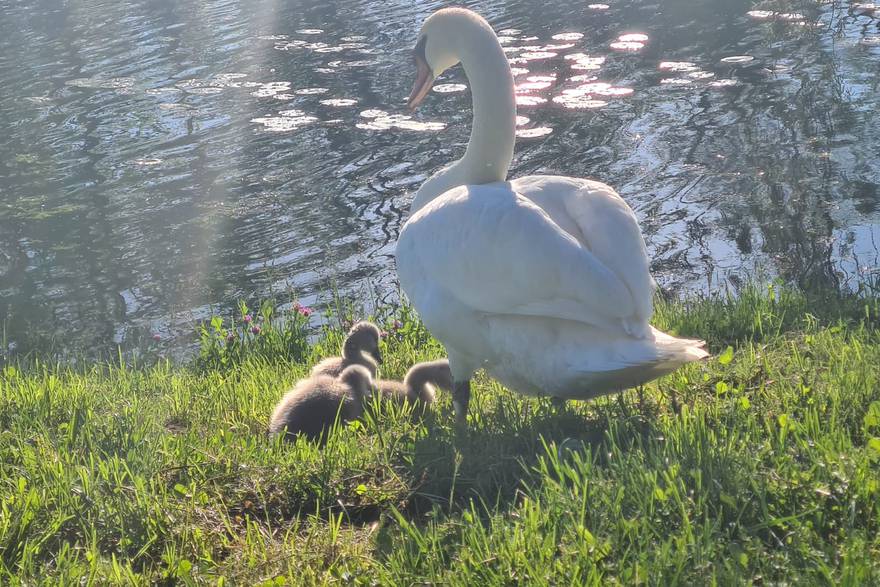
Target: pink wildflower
point(248, 318)
point(157, 337)
point(256, 329)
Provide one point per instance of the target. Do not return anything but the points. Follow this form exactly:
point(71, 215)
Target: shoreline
point(752, 466)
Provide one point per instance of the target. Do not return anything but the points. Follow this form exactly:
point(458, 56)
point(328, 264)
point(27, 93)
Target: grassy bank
point(761, 465)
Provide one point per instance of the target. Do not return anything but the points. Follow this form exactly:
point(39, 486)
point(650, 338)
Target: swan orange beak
point(424, 81)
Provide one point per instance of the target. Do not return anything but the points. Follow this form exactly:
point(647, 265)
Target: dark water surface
point(162, 159)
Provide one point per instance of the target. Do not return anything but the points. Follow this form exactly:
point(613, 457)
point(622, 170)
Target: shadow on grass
point(491, 461)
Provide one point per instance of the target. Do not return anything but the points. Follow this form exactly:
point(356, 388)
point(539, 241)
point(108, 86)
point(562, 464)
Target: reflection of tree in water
point(804, 125)
point(776, 164)
point(96, 245)
point(65, 228)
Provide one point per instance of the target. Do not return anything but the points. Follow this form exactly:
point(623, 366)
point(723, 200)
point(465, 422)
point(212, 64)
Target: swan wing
point(602, 221)
point(499, 253)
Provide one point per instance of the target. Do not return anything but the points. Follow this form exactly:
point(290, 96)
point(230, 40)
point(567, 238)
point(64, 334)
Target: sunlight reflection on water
point(156, 165)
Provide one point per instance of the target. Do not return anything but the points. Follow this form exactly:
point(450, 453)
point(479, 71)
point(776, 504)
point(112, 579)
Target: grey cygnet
point(361, 347)
point(312, 406)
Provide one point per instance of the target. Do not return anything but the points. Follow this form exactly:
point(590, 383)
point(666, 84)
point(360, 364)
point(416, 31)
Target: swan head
point(444, 37)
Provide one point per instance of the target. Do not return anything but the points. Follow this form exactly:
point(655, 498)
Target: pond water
point(160, 160)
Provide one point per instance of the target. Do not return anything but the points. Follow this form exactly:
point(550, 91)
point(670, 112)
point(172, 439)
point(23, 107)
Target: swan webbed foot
point(461, 397)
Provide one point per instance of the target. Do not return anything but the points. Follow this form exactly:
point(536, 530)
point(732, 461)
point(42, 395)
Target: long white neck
point(490, 148)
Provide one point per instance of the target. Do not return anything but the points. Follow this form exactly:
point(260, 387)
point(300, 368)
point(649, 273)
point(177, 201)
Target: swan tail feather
point(684, 350)
point(671, 354)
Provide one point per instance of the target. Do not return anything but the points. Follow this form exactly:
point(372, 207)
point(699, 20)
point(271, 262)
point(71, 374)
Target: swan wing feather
point(605, 224)
point(499, 253)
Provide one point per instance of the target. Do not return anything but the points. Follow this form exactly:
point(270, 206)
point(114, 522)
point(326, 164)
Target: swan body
point(506, 288)
point(543, 280)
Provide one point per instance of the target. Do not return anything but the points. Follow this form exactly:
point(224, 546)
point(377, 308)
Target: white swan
point(543, 280)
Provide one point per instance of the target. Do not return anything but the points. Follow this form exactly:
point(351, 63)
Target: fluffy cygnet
point(418, 384)
point(311, 407)
point(361, 347)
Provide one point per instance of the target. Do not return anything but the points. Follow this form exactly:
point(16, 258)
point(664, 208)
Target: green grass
point(760, 466)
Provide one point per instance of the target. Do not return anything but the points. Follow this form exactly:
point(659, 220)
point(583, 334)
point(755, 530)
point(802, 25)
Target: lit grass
point(762, 465)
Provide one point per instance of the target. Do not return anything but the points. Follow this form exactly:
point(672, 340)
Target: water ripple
point(158, 164)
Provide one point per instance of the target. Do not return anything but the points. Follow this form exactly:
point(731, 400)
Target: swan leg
point(558, 403)
point(461, 397)
point(621, 403)
point(673, 402)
